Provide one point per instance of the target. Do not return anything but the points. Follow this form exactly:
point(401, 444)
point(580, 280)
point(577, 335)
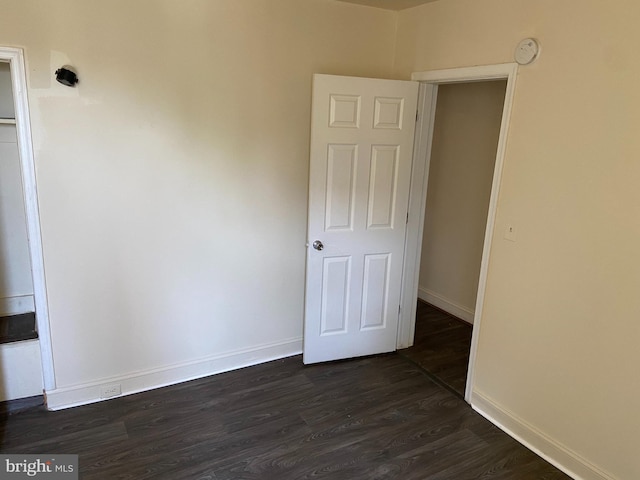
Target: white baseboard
point(445, 304)
point(17, 305)
point(61, 398)
point(552, 451)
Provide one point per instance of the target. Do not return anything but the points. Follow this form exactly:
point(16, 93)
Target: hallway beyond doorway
point(441, 347)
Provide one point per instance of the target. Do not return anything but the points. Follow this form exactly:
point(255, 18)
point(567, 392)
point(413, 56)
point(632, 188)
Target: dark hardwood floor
point(441, 347)
point(378, 417)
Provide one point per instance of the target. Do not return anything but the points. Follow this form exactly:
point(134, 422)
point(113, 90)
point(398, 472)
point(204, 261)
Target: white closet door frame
point(15, 58)
point(428, 93)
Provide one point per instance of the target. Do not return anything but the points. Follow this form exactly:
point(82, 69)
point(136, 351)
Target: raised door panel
point(336, 275)
point(375, 291)
point(388, 113)
point(341, 184)
point(344, 111)
point(383, 186)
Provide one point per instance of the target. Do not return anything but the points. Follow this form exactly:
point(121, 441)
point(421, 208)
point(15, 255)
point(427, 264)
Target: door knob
point(318, 245)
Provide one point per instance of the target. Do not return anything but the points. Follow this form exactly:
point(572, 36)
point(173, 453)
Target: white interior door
point(360, 170)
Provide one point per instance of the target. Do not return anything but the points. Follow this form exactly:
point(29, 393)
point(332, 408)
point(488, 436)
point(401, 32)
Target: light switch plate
point(510, 233)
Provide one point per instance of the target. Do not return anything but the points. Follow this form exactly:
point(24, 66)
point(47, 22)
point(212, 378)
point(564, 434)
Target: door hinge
point(407, 218)
point(417, 115)
point(399, 309)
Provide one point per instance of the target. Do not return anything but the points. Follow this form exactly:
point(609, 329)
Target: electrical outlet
point(108, 391)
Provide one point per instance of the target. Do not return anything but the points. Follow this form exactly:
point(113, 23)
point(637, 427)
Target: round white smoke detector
point(527, 51)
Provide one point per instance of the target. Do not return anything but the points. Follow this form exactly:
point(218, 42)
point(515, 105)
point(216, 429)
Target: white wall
point(557, 359)
point(463, 153)
point(172, 180)
point(20, 370)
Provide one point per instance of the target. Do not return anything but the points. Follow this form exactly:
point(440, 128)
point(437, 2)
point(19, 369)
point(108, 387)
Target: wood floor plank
point(378, 417)
point(441, 346)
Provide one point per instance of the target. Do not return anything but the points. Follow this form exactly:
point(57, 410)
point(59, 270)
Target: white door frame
point(15, 57)
point(429, 82)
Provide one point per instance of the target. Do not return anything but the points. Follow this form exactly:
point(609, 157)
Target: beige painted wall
point(560, 325)
point(173, 180)
point(463, 153)
point(173, 183)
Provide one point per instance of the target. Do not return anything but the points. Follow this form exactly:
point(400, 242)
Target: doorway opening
point(463, 152)
point(430, 82)
point(25, 356)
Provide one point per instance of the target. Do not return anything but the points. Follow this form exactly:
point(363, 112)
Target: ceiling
point(390, 4)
